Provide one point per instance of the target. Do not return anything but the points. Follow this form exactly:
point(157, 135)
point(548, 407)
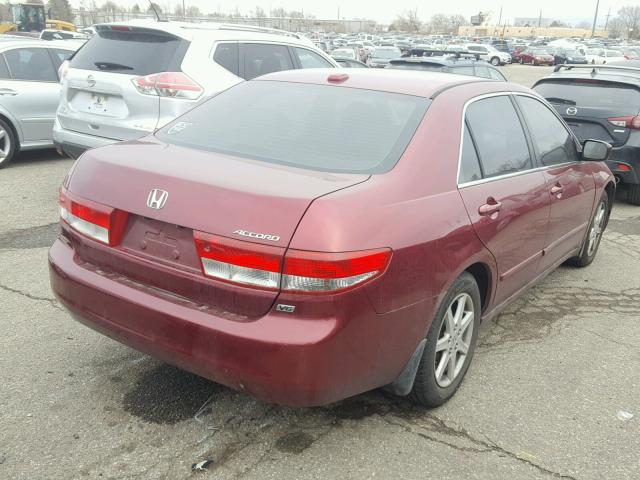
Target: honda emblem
point(157, 198)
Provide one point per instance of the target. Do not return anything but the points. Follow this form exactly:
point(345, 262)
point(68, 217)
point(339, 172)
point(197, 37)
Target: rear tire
point(594, 234)
point(633, 194)
point(450, 334)
point(8, 144)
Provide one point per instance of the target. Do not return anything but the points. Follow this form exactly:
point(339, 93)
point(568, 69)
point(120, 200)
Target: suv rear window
point(132, 52)
point(590, 93)
point(315, 127)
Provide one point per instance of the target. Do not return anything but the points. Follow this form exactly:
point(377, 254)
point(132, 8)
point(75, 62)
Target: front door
point(506, 198)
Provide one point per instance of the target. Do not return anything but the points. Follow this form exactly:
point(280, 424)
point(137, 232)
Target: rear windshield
point(316, 127)
point(136, 52)
point(590, 93)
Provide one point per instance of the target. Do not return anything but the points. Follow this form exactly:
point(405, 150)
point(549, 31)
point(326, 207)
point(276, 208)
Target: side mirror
point(596, 150)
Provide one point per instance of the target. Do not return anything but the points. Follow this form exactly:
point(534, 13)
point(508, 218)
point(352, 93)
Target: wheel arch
point(14, 128)
point(482, 275)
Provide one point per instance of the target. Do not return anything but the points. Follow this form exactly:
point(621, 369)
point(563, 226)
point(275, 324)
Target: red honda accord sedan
point(311, 235)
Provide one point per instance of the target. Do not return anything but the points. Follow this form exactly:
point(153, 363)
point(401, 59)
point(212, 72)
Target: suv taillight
point(300, 271)
point(168, 84)
point(96, 221)
point(626, 122)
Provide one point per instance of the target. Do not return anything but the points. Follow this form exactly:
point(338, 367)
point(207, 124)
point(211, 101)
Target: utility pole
point(595, 19)
point(540, 18)
point(500, 17)
point(606, 23)
point(184, 12)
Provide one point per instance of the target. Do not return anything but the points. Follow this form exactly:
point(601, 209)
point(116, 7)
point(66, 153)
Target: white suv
point(133, 77)
point(490, 53)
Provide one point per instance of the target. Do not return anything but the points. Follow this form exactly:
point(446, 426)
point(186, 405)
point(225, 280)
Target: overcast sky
point(384, 11)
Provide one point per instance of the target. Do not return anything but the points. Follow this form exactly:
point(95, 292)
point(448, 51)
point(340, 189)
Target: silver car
point(29, 93)
point(133, 77)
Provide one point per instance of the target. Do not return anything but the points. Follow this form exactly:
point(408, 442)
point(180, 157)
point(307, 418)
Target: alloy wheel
point(5, 144)
point(454, 339)
point(596, 229)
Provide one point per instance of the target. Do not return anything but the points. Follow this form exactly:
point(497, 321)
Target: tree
point(177, 10)
point(60, 10)
point(615, 28)
point(135, 8)
point(630, 20)
point(558, 24)
point(407, 22)
point(584, 25)
point(156, 6)
point(110, 9)
point(193, 11)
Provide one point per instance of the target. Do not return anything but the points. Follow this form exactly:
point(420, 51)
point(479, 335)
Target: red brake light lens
point(168, 84)
point(96, 221)
point(626, 122)
point(268, 267)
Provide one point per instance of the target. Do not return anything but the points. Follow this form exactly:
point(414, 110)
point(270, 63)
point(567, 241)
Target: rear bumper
point(278, 358)
point(75, 143)
point(624, 162)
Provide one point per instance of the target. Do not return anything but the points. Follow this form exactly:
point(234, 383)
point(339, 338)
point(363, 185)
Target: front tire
point(594, 234)
point(495, 61)
point(8, 144)
point(451, 342)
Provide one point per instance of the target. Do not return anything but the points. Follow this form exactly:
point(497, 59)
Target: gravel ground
point(545, 397)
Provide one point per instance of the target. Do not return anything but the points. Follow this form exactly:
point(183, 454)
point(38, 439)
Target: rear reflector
point(168, 84)
point(266, 266)
point(96, 221)
point(626, 122)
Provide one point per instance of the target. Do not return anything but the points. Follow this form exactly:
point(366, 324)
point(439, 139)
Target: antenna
point(153, 7)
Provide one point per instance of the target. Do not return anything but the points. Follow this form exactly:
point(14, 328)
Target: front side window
point(262, 58)
point(31, 64)
point(498, 134)
point(551, 139)
point(309, 59)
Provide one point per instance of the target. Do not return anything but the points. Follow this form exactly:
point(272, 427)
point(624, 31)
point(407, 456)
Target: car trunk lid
point(206, 192)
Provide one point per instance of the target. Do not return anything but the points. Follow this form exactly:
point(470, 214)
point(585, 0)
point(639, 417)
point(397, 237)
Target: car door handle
point(557, 189)
point(492, 206)
point(7, 91)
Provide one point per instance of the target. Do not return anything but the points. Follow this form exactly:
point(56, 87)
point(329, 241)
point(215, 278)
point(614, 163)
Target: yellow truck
point(29, 17)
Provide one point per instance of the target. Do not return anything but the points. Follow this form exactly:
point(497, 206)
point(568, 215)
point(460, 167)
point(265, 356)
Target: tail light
point(168, 84)
point(96, 221)
point(268, 267)
point(626, 122)
point(62, 71)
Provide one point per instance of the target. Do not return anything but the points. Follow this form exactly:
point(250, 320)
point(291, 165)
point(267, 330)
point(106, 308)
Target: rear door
point(31, 92)
point(506, 197)
point(257, 59)
point(99, 96)
point(570, 182)
point(593, 107)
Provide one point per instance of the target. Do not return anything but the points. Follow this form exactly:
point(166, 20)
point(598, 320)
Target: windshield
point(387, 53)
point(316, 127)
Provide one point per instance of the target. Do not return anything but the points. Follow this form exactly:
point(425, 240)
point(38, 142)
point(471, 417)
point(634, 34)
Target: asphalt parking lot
point(549, 394)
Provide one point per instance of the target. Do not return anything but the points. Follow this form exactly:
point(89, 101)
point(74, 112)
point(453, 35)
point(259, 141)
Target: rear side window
point(4, 71)
point(61, 55)
point(309, 59)
point(469, 162)
point(463, 70)
point(31, 64)
point(482, 71)
point(325, 128)
point(552, 141)
point(262, 58)
point(499, 136)
point(591, 93)
point(496, 75)
point(131, 52)
point(227, 56)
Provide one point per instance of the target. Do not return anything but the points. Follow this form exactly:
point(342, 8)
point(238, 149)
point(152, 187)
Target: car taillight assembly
point(626, 122)
point(168, 84)
point(268, 267)
point(63, 70)
point(96, 221)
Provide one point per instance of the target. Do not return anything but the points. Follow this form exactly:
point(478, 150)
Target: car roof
point(621, 72)
point(443, 61)
point(189, 31)
point(407, 82)
point(35, 42)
